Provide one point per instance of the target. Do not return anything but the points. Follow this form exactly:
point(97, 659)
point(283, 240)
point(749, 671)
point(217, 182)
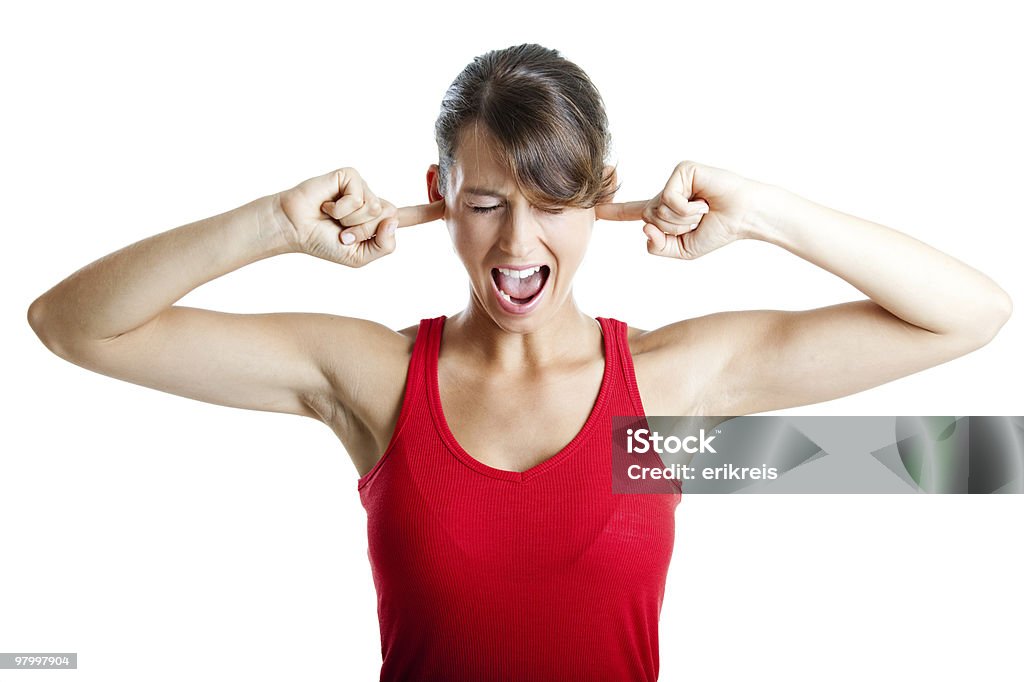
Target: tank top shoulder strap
point(619, 337)
point(427, 343)
point(420, 361)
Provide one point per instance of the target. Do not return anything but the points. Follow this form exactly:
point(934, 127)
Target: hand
point(338, 218)
point(701, 209)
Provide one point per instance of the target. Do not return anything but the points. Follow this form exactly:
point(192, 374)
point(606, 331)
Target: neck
point(543, 342)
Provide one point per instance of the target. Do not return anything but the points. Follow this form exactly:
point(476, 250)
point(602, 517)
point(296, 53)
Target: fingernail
point(347, 237)
point(392, 227)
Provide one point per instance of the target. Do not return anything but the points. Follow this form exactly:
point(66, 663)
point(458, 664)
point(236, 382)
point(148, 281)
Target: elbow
point(988, 326)
point(37, 320)
point(1004, 310)
point(37, 316)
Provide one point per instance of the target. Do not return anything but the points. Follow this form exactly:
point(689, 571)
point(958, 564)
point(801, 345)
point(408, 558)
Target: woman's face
point(499, 237)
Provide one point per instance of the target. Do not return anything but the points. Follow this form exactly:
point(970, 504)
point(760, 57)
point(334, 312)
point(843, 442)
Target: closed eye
point(488, 209)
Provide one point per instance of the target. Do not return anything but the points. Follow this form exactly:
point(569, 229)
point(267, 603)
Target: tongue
point(520, 288)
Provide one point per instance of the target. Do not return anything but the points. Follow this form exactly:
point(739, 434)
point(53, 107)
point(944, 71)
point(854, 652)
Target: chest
point(517, 424)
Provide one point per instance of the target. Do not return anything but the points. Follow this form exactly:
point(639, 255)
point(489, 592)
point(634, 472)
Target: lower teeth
point(517, 301)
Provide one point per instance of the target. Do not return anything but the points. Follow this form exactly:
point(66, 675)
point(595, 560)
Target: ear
point(433, 178)
point(609, 169)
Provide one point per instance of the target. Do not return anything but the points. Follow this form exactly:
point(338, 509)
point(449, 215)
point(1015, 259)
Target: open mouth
point(518, 289)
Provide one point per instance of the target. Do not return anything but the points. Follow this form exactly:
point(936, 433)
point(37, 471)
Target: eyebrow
point(483, 192)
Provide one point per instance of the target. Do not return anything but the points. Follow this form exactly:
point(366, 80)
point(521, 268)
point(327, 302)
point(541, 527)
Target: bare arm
point(115, 316)
point(925, 308)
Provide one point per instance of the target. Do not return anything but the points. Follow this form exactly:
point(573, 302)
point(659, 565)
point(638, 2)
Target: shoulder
point(410, 333)
point(633, 334)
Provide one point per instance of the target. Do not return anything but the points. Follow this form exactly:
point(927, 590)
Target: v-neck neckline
point(437, 410)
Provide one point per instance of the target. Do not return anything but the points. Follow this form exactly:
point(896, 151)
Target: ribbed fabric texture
point(485, 574)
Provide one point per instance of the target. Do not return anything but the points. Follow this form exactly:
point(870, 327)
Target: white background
point(163, 538)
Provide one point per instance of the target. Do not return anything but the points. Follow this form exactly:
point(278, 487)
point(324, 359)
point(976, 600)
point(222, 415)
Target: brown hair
point(546, 117)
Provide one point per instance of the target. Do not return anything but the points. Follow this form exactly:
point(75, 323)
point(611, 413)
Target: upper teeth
point(521, 274)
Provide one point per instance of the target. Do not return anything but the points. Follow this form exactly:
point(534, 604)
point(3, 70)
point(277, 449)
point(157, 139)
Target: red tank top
point(487, 574)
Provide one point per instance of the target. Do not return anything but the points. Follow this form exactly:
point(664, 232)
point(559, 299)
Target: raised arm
point(924, 307)
point(116, 316)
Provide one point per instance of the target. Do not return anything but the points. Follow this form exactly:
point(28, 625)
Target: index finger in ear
point(421, 213)
point(629, 210)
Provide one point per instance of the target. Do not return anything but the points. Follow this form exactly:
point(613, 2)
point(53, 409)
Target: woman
point(482, 441)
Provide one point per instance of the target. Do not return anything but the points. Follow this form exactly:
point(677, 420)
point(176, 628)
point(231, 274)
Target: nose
point(519, 234)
